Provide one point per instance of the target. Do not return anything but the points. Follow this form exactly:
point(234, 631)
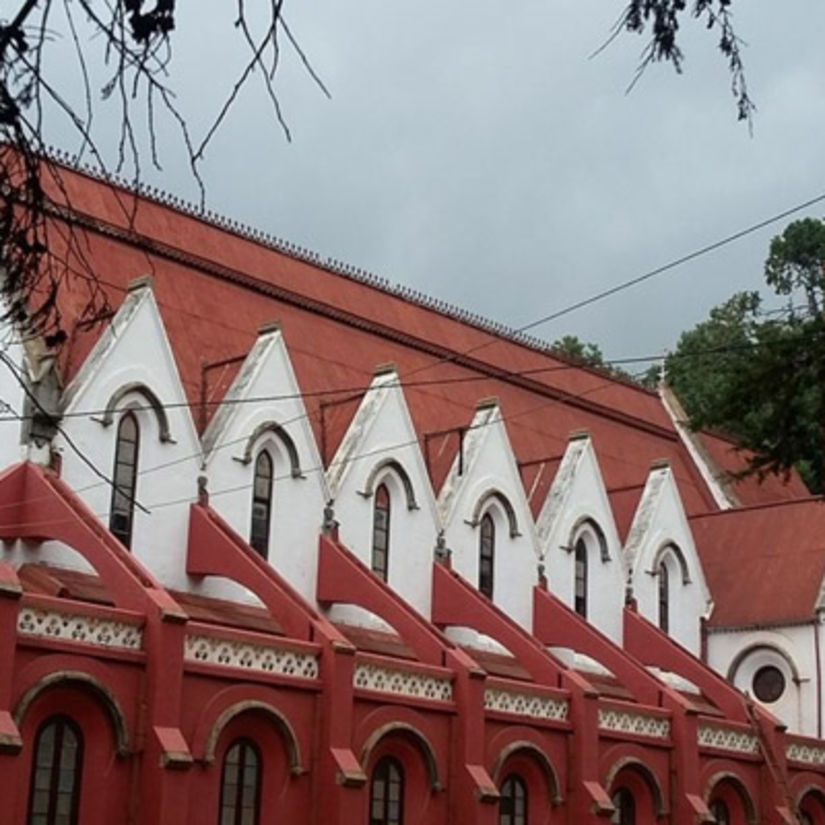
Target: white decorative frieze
point(72, 627)
point(727, 739)
point(809, 754)
point(525, 704)
point(247, 656)
point(622, 721)
point(402, 682)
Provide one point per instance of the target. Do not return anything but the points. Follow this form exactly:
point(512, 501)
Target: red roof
point(215, 288)
point(764, 564)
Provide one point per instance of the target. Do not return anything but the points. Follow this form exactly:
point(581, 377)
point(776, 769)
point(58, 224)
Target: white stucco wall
point(660, 532)
point(791, 649)
point(382, 431)
point(577, 506)
point(490, 475)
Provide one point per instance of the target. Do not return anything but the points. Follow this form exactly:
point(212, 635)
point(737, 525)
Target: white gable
point(486, 479)
point(263, 410)
point(132, 367)
point(660, 534)
point(381, 447)
point(576, 507)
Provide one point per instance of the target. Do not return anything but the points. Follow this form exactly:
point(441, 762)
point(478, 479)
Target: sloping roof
point(215, 287)
point(763, 564)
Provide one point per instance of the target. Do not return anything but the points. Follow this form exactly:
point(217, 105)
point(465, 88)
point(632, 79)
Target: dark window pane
point(381, 532)
point(261, 503)
point(55, 778)
point(512, 807)
point(240, 785)
point(387, 793)
point(768, 684)
point(625, 808)
point(486, 555)
point(580, 590)
point(664, 598)
point(124, 476)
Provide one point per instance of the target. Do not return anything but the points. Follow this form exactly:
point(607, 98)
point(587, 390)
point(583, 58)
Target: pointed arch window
point(486, 555)
point(387, 793)
point(54, 792)
point(122, 510)
point(664, 597)
point(625, 808)
point(261, 503)
point(240, 784)
point(381, 532)
point(512, 806)
point(720, 812)
point(580, 588)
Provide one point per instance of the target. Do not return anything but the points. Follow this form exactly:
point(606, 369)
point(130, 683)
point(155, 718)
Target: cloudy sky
point(474, 151)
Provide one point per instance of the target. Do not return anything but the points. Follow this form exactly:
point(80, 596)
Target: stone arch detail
point(423, 745)
point(509, 511)
point(286, 730)
point(670, 547)
point(283, 437)
point(647, 775)
point(741, 790)
point(80, 679)
point(588, 523)
point(743, 654)
point(541, 759)
point(390, 465)
point(155, 405)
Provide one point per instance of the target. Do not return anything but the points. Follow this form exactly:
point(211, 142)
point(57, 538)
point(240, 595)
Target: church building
point(284, 544)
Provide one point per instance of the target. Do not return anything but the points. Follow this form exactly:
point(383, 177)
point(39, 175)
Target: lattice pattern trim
point(727, 739)
point(93, 630)
point(402, 682)
point(625, 722)
point(525, 704)
point(809, 754)
point(262, 658)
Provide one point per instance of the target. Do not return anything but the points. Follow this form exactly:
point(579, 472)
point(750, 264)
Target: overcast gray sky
point(472, 150)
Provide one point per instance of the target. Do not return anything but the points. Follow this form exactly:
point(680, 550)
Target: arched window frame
point(486, 554)
point(234, 800)
point(124, 478)
point(664, 596)
point(263, 482)
point(62, 725)
point(386, 802)
point(381, 522)
point(512, 807)
point(625, 805)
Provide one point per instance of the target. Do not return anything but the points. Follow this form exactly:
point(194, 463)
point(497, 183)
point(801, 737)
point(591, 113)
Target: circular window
point(768, 683)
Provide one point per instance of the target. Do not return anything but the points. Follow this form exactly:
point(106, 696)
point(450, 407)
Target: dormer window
point(486, 555)
point(381, 532)
point(122, 511)
point(664, 597)
point(261, 503)
point(580, 582)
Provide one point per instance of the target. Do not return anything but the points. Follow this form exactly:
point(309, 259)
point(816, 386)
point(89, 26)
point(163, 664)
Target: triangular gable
point(577, 506)
point(263, 409)
point(660, 533)
point(381, 446)
point(484, 477)
point(132, 367)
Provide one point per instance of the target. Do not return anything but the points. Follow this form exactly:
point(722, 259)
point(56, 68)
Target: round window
point(768, 684)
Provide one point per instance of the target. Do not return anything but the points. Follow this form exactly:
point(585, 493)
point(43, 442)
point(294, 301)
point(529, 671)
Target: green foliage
point(762, 378)
point(588, 353)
